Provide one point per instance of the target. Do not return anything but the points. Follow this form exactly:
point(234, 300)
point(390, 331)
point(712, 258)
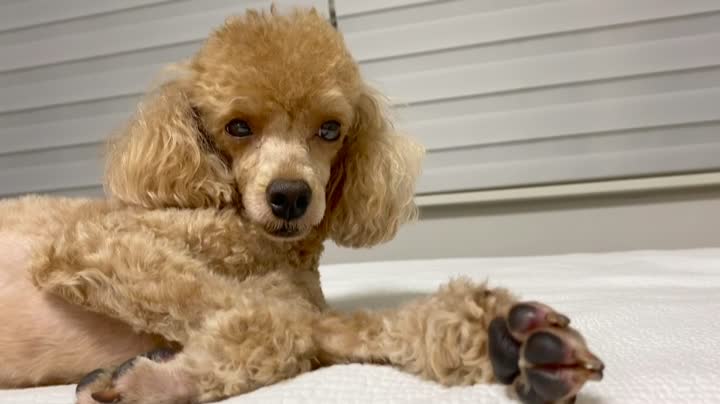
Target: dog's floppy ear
point(373, 180)
point(163, 159)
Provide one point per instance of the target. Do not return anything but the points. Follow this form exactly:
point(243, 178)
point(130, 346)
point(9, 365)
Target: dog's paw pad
point(148, 378)
point(524, 318)
point(535, 350)
point(504, 352)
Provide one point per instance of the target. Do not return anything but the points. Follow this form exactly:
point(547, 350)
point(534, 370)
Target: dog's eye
point(329, 130)
point(238, 128)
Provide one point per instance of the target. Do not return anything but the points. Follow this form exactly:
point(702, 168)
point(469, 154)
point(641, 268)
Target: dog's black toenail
point(547, 383)
point(88, 379)
point(123, 368)
point(543, 348)
point(527, 395)
point(160, 355)
point(504, 351)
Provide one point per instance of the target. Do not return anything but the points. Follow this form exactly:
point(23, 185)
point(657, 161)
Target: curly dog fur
point(187, 253)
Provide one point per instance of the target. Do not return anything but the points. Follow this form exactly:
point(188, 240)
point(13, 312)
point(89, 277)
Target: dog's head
point(271, 116)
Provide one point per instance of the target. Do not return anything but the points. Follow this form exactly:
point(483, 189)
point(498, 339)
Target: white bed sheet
point(651, 316)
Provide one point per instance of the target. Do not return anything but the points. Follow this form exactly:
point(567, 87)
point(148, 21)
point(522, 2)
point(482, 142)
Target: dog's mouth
point(279, 231)
point(286, 231)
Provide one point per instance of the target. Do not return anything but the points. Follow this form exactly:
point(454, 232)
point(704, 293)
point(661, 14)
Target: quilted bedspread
point(652, 316)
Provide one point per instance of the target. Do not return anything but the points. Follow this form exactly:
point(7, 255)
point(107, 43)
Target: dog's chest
point(223, 241)
point(234, 248)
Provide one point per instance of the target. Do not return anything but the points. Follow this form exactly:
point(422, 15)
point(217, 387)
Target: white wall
point(688, 218)
point(511, 93)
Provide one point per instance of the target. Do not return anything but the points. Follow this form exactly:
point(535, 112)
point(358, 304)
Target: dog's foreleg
point(466, 334)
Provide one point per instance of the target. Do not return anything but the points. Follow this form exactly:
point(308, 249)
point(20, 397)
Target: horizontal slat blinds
point(508, 93)
point(28, 13)
point(72, 70)
point(503, 93)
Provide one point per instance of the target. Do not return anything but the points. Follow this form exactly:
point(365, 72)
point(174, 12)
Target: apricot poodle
point(198, 278)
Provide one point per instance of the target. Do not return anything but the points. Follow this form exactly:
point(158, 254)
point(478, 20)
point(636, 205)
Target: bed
point(651, 315)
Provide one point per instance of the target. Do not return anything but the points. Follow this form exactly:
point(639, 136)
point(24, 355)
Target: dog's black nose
point(288, 199)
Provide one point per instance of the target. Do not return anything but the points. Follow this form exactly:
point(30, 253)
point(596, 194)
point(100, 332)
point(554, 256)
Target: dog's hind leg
point(236, 336)
point(265, 338)
point(46, 340)
point(146, 282)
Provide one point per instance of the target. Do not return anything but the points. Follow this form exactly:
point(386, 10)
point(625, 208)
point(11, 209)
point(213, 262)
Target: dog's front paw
point(536, 351)
point(152, 378)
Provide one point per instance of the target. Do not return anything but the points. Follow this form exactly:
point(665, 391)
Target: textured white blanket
point(651, 316)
